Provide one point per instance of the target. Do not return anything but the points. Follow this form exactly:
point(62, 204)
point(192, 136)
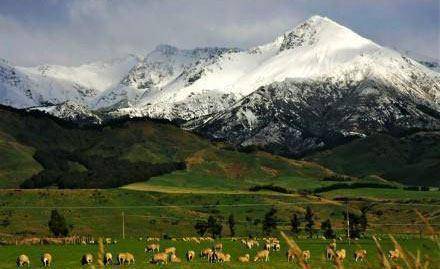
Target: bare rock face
point(293, 118)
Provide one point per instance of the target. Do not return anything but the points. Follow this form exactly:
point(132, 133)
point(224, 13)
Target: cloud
point(71, 32)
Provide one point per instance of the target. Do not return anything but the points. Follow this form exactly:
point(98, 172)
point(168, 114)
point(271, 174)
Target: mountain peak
point(320, 29)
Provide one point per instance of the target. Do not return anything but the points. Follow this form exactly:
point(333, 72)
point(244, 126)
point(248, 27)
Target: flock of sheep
point(214, 254)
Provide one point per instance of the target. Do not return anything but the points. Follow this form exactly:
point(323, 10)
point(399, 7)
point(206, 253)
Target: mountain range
point(314, 87)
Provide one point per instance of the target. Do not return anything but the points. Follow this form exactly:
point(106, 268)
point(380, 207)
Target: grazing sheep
point(161, 258)
point(340, 254)
point(290, 255)
point(175, 259)
point(190, 255)
point(267, 246)
point(122, 257)
point(125, 258)
point(394, 254)
point(244, 259)
point(87, 259)
point(276, 246)
point(170, 250)
point(206, 253)
point(222, 257)
point(218, 247)
point(213, 257)
point(329, 253)
point(23, 260)
point(306, 255)
point(262, 255)
point(129, 258)
point(360, 254)
point(152, 248)
point(46, 259)
point(250, 243)
point(108, 258)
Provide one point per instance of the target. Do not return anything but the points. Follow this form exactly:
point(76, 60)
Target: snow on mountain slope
point(187, 84)
point(318, 49)
point(151, 77)
point(98, 76)
point(20, 89)
point(72, 111)
point(295, 117)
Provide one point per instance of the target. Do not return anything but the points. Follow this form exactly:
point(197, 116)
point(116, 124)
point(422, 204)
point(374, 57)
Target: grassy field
point(68, 257)
point(167, 210)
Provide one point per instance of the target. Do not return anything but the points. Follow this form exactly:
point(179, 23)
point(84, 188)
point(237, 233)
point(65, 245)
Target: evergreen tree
point(309, 221)
point(295, 223)
point(363, 221)
point(214, 227)
point(270, 222)
point(201, 227)
point(358, 224)
point(231, 223)
point(57, 224)
point(326, 227)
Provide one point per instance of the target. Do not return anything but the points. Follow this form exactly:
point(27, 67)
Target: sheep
point(205, 253)
point(290, 255)
point(190, 255)
point(23, 260)
point(122, 257)
point(152, 248)
point(250, 243)
point(213, 256)
point(306, 255)
point(87, 259)
point(340, 254)
point(394, 254)
point(267, 246)
point(129, 258)
point(46, 259)
point(244, 259)
point(329, 253)
point(170, 250)
point(108, 258)
point(175, 259)
point(262, 255)
point(222, 257)
point(360, 254)
point(276, 246)
point(160, 258)
point(125, 258)
point(218, 247)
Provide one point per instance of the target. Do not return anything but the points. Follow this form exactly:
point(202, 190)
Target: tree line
point(357, 228)
point(95, 172)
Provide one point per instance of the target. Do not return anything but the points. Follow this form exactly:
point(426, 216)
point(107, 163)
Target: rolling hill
point(39, 150)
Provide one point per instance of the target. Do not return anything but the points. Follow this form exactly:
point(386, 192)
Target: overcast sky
point(70, 32)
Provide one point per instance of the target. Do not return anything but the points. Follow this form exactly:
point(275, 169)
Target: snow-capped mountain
point(313, 86)
point(71, 111)
point(146, 90)
point(328, 84)
point(318, 49)
point(53, 84)
point(98, 76)
point(21, 89)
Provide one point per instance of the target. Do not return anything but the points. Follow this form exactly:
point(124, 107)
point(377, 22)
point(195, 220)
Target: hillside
point(39, 151)
point(411, 159)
